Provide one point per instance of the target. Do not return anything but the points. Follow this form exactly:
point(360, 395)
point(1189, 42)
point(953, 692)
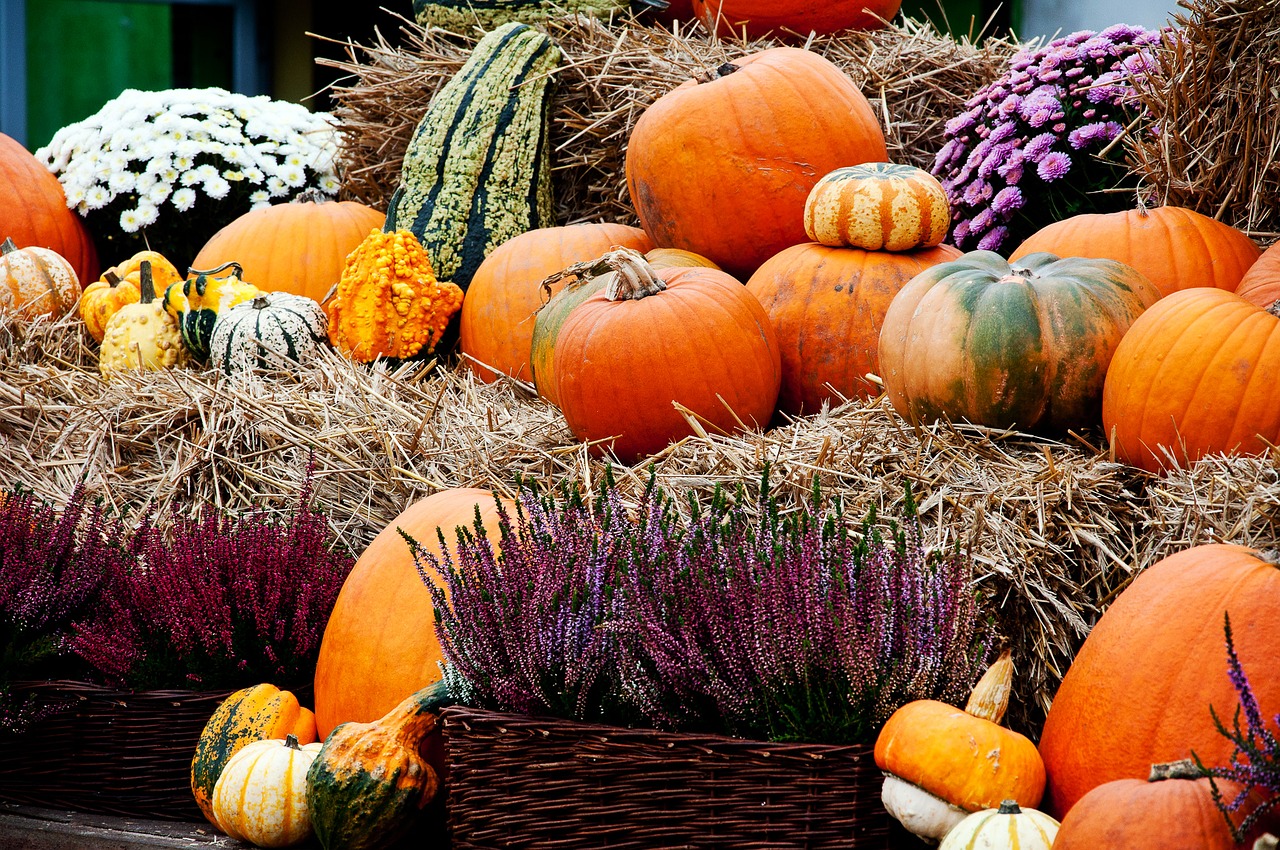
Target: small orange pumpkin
point(878, 206)
point(120, 286)
point(1261, 284)
point(36, 282)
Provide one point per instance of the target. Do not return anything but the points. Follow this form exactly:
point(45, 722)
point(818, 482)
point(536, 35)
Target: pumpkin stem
point(146, 285)
point(260, 302)
point(313, 195)
point(990, 697)
point(8, 247)
point(111, 278)
point(1183, 769)
point(1274, 309)
point(633, 277)
point(1009, 807)
point(723, 71)
point(291, 741)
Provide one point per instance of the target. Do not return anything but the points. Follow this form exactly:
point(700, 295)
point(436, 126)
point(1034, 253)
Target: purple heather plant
point(1027, 150)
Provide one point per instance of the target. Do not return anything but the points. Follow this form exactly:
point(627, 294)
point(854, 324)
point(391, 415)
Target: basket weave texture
point(525, 782)
point(107, 751)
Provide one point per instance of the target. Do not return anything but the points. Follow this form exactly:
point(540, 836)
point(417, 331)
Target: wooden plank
point(28, 828)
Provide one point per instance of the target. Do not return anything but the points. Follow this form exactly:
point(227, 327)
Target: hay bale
point(1213, 88)
point(915, 78)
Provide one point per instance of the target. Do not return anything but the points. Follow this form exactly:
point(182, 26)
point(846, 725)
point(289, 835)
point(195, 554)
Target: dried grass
point(916, 79)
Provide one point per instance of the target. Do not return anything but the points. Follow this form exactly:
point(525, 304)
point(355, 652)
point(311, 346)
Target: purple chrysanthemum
point(1006, 201)
point(1054, 166)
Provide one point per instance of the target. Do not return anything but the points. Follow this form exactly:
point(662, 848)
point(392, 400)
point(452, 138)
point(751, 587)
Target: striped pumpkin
point(1005, 828)
point(36, 282)
point(268, 331)
point(462, 15)
point(195, 303)
point(261, 796)
point(878, 206)
point(478, 169)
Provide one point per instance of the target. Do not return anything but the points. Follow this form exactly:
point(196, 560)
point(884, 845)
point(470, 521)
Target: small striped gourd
point(478, 169)
point(1006, 828)
point(261, 796)
point(268, 332)
point(197, 301)
point(462, 15)
point(878, 206)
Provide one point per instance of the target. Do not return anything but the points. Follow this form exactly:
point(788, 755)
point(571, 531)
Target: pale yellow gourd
point(1006, 828)
point(142, 335)
point(261, 796)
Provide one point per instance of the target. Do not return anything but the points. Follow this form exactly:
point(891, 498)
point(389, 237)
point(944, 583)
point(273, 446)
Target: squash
point(793, 19)
point(388, 302)
point(1140, 689)
point(1261, 283)
point(119, 286)
point(36, 282)
point(251, 714)
point(1004, 345)
point(478, 169)
point(675, 258)
point(142, 336)
point(1009, 827)
point(41, 219)
point(942, 763)
point(269, 332)
point(370, 780)
point(261, 795)
point(464, 15)
point(704, 177)
point(196, 303)
point(878, 206)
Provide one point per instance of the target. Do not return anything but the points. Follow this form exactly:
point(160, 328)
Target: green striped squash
point(461, 15)
point(478, 169)
point(267, 332)
point(197, 302)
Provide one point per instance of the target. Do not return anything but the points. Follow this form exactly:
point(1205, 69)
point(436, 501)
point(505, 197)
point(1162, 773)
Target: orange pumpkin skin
point(498, 311)
point(1139, 691)
point(299, 247)
point(620, 365)
point(674, 258)
point(36, 282)
point(1261, 284)
point(1175, 248)
point(966, 760)
point(758, 17)
point(879, 206)
point(35, 213)
point(723, 167)
point(827, 306)
point(1196, 374)
point(380, 646)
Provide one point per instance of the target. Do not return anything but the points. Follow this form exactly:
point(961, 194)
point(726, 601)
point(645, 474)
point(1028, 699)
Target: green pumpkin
point(478, 169)
point(197, 301)
point(1023, 345)
point(462, 15)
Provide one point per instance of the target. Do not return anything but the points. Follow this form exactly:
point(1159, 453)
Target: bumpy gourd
point(197, 302)
point(462, 15)
point(142, 336)
point(267, 332)
point(261, 796)
point(478, 169)
point(119, 286)
point(388, 302)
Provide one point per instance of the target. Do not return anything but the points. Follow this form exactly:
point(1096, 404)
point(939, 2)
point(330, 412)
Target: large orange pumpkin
point(498, 312)
point(380, 643)
point(34, 211)
point(1175, 248)
point(299, 247)
point(827, 306)
point(1140, 689)
point(655, 338)
point(1261, 283)
point(1195, 375)
point(780, 17)
point(722, 165)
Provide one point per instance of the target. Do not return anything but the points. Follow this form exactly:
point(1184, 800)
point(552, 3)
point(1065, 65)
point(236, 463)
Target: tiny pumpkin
point(270, 331)
point(142, 336)
point(261, 796)
point(878, 206)
point(1009, 827)
point(118, 286)
point(36, 282)
point(196, 303)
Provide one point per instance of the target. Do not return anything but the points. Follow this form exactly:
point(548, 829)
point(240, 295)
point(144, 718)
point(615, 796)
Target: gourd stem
point(111, 277)
point(8, 247)
point(237, 269)
point(631, 275)
point(261, 302)
point(1009, 807)
point(990, 697)
point(719, 73)
point(1183, 769)
point(291, 741)
point(146, 286)
point(1274, 309)
point(313, 195)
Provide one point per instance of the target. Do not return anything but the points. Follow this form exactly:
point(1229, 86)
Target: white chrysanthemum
point(276, 186)
point(234, 155)
point(158, 194)
point(170, 175)
point(293, 175)
point(158, 165)
point(183, 162)
point(147, 214)
point(217, 188)
point(145, 183)
point(254, 175)
point(96, 197)
point(75, 196)
point(121, 181)
point(207, 172)
point(129, 221)
point(190, 178)
point(329, 184)
point(260, 198)
point(184, 199)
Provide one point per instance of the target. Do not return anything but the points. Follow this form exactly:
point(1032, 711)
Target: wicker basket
point(107, 751)
point(518, 782)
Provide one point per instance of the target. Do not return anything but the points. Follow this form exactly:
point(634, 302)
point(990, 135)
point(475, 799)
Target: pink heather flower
point(1054, 166)
point(1007, 200)
point(994, 239)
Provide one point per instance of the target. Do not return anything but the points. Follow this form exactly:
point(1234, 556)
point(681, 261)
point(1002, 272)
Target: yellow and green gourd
point(461, 15)
point(195, 303)
point(478, 169)
point(141, 336)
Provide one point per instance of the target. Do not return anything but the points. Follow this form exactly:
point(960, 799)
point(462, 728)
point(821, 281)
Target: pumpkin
point(299, 247)
point(197, 302)
point(674, 258)
point(35, 282)
point(1174, 248)
point(388, 302)
point(942, 763)
point(795, 17)
point(142, 336)
point(261, 796)
point(704, 178)
point(251, 714)
point(1195, 375)
point(370, 780)
point(878, 206)
point(1172, 809)
point(118, 286)
point(1008, 827)
point(268, 332)
point(379, 646)
point(41, 219)
point(464, 15)
point(478, 169)
point(498, 313)
point(1140, 689)
point(1003, 345)
point(653, 339)
point(1261, 283)
point(827, 306)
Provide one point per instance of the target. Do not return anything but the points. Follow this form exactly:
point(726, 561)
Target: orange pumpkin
point(1261, 283)
point(1195, 375)
point(299, 247)
point(706, 178)
point(36, 282)
point(674, 258)
point(878, 206)
point(34, 212)
point(1175, 248)
point(657, 338)
point(827, 306)
point(798, 17)
point(498, 311)
point(379, 646)
point(1139, 691)
point(121, 285)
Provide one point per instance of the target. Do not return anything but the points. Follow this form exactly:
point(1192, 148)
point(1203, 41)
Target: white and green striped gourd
point(267, 333)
